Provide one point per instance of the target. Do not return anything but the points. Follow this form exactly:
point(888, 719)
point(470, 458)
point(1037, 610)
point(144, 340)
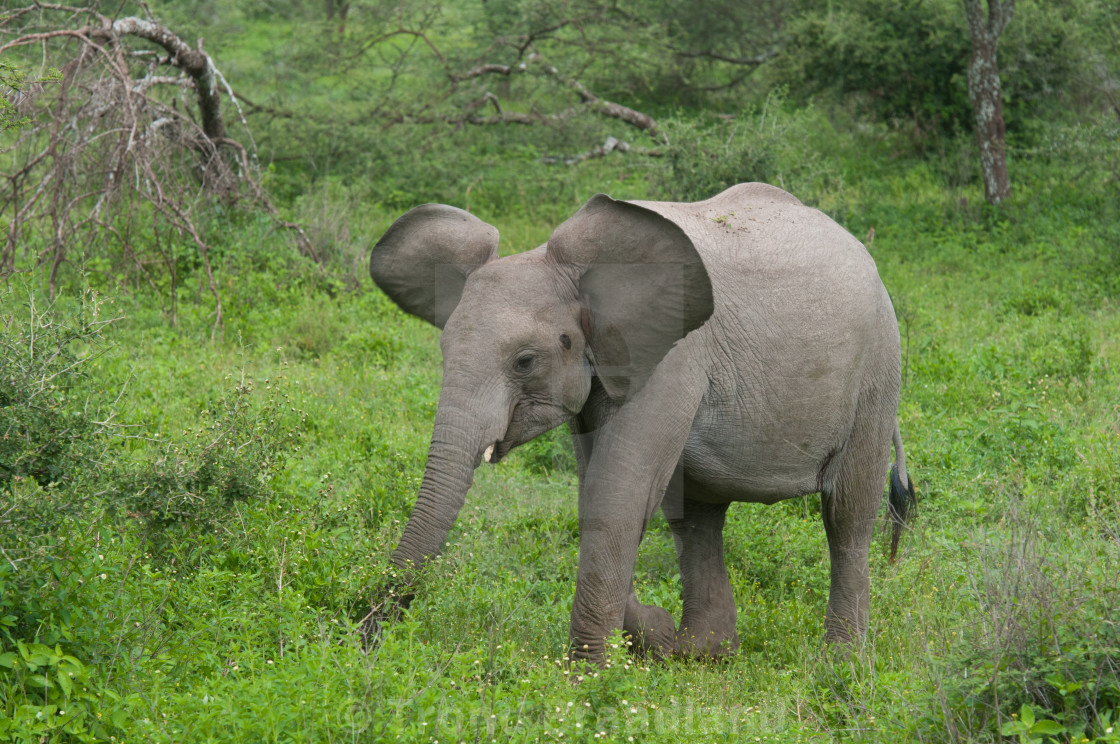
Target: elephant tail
point(902, 497)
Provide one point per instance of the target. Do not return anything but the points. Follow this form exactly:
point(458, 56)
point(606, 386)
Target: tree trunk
point(984, 93)
point(343, 11)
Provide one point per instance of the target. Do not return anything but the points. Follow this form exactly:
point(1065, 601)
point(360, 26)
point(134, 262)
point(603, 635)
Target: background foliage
point(191, 528)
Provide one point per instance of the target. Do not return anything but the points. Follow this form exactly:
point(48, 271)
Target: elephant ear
point(643, 281)
point(424, 258)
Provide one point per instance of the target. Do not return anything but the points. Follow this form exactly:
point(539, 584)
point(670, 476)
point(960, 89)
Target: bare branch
point(484, 70)
point(611, 145)
point(260, 108)
point(754, 61)
point(194, 62)
point(111, 149)
point(606, 108)
point(142, 85)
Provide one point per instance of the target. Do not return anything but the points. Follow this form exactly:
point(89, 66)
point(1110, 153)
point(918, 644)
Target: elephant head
point(529, 337)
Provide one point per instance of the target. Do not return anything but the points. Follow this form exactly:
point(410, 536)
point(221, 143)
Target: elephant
point(741, 348)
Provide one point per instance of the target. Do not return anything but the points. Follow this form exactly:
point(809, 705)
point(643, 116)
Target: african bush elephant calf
point(741, 348)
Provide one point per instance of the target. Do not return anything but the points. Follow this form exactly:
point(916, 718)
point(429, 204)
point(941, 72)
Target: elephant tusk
point(488, 453)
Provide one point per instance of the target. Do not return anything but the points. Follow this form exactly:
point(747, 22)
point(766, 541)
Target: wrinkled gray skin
point(741, 348)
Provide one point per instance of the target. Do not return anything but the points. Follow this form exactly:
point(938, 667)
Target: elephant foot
point(385, 612)
point(698, 639)
point(651, 629)
point(842, 633)
point(845, 624)
point(370, 629)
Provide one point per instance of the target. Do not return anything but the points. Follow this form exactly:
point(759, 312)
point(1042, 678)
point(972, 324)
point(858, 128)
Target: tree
point(117, 157)
point(568, 79)
point(896, 62)
point(985, 94)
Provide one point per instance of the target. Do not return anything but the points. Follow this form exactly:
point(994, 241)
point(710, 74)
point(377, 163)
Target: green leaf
point(65, 683)
point(1010, 728)
point(1026, 715)
point(39, 681)
point(8, 659)
point(1047, 727)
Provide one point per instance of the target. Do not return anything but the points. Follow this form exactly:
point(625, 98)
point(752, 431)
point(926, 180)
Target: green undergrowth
point(192, 529)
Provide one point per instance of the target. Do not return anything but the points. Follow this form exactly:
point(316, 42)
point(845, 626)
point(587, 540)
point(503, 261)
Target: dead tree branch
point(587, 101)
point(752, 61)
point(194, 62)
point(119, 158)
point(612, 144)
point(605, 108)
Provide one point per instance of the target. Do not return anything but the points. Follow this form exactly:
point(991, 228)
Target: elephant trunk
point(459, 437)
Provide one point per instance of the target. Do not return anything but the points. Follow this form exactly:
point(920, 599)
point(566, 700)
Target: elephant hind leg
point(850, 509)
point(708, 622)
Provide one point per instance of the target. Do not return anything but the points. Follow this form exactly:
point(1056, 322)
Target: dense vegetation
point(192, 527)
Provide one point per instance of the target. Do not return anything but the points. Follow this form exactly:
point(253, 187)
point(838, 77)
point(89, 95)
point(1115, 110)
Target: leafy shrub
point(709, 153)
point(903, 61)
point(1047, 650)
point(1087, 150)
point(56, 436)
point(549, 453)
point(47, 693)
point(49, 431)
point(906, 63)
point(55, 432)
point(230, 458)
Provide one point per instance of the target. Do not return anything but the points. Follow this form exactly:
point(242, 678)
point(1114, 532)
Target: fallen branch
point(612, 144)
point(588, 100)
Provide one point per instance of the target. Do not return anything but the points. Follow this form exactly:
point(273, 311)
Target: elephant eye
point(565, 341)
point(524, 363)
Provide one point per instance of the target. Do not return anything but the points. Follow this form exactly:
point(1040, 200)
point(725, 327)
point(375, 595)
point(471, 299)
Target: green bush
point(906, 63)
point(57, 431)
point(245, 437)
point(47, 694)
point(51, 430)
point(56, 424)
point(768, 143)
point(903, 62)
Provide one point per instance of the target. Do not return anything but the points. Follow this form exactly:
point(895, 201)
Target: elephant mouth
point(495, 452)
point(521, 426)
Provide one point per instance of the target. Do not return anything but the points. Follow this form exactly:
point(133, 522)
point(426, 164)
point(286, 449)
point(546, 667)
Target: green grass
point(238, 622)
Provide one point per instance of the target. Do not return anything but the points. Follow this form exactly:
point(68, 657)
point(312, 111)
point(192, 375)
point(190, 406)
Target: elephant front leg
point(608, 548)
point(650, 628)
point(605, 601)
point(635, 455)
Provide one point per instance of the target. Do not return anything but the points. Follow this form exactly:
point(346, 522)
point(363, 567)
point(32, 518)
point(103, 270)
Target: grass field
point(198, 526)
